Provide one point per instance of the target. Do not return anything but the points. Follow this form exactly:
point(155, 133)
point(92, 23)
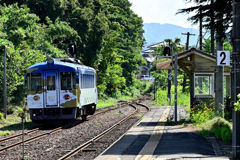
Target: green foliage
point(109, 37)
point(219, 127)
point(1, 116)
point(217, 131)
point(26, 43)
point(205, 133)
point(225, 133)
point(4, 133)
point(201, 116)
point(211, 10)
point(207, 46)
point(202, 113)
point(161, 97)
point(237, 104)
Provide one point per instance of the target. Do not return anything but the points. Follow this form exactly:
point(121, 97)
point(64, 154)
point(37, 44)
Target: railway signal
point(72, 48)
point(167, 51)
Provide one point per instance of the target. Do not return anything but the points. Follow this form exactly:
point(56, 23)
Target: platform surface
point(153, 138)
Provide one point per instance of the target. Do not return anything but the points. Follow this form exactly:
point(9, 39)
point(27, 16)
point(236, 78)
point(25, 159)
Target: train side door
point(51, 84)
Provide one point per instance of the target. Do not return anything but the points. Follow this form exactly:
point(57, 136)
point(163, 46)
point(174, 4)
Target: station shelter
point(200, 67)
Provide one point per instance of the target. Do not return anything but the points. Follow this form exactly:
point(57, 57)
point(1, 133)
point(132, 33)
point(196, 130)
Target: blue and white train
point(60, 89)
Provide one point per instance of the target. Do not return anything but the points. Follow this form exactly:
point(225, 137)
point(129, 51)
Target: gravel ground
point(99, 146)
point(56, 145)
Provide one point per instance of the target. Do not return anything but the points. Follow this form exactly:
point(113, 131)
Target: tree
point(107, 32)
point(216, 14)
point(27, 43)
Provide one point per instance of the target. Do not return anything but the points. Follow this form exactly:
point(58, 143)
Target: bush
point(201, 115)
point(219, 126)
point(205, 133)
point(225, 133)
point(217, 131)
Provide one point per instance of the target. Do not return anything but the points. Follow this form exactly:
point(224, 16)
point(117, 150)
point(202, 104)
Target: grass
point(112, 101)
point(108, 102)
point(12, 123)
point(182, 98)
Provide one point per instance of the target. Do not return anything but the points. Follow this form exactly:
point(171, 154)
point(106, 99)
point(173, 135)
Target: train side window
point(81, 80)
point(36, 82)
point(65, 80)
point(88, 81)
point(89, 76)
point(74, 80)
point(91, 82)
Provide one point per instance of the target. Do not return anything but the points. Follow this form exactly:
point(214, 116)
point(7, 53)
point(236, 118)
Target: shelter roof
point(196, 60)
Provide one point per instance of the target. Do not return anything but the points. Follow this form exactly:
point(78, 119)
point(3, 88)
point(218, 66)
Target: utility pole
point(235, 87)
point(212, 29)
point(219, 100)
point(200, 29)
point(188, 34)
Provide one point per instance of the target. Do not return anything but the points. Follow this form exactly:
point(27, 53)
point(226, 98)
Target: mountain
point(156, 32)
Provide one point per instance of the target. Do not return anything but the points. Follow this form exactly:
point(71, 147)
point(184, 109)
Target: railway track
point(56, 145)
point(48, 132)
point(86, 147)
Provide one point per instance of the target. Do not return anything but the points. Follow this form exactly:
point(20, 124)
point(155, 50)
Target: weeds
point(161, 97)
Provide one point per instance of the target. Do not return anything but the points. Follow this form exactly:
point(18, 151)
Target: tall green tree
point(27, 42)
point(216, 14)
point(108, 34)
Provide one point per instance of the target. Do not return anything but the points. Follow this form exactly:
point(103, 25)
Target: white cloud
point(162, 11)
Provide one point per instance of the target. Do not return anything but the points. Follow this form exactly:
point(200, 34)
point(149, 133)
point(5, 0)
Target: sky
point(163, 11)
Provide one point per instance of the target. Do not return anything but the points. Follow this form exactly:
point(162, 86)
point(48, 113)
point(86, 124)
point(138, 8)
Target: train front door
point(51, 84)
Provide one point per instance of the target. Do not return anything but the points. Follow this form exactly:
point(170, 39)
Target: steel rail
point(18, 135)
point(44, 134)
point(138, 103)
point(84, 145)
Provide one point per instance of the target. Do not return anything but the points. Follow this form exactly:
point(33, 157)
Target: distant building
point(150, 57)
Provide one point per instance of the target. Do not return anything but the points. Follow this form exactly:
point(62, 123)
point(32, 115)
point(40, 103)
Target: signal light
point(167, 51)
point(72, 48)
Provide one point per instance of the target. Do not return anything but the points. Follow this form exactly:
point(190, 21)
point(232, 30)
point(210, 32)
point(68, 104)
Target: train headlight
point(66, 97)
point(36, 98)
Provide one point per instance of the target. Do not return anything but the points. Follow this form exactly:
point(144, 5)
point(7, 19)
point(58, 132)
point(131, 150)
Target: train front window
point(65, 80)
point(51, 83)
point(36, 82)
point(74, 80)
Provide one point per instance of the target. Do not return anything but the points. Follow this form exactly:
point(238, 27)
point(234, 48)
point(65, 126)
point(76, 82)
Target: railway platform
point(154, 139)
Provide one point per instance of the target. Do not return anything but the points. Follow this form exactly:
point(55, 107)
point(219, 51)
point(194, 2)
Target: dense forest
point(109, 38)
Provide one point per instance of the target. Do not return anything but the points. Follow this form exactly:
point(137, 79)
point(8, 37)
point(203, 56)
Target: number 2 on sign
point(224, 57)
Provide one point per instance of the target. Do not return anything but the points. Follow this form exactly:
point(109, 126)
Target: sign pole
point(176, 72)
